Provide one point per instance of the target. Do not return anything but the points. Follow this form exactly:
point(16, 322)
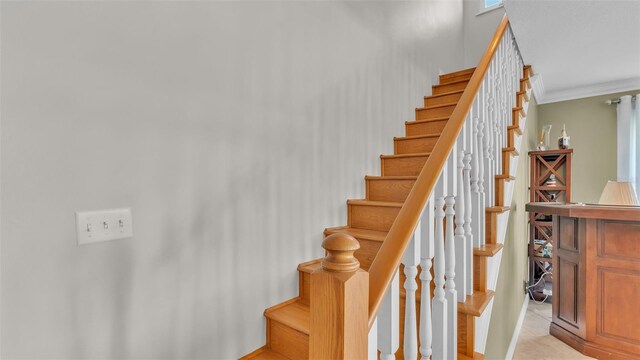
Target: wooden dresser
point(596, 279)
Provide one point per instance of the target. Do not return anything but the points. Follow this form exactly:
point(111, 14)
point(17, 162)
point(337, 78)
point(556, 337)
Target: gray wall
point(234, 130)
point(592, 126)
point(478, 30)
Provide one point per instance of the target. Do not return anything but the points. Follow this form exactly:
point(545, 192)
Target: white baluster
point(410, 260)
point(389, 321)
point(427, 227)
point(476, 178)
point(497, 149)
point(439, 306)
point(488, 158)
point(480, 201)
point(460, 247)
point(468, 210)
point(450, 272)
point(488, 138)
point(372, 351)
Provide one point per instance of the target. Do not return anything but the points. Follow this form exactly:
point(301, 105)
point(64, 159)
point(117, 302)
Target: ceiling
point(578, 48)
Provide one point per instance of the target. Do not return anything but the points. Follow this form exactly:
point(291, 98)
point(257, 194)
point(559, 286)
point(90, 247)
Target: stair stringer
point(493, 263)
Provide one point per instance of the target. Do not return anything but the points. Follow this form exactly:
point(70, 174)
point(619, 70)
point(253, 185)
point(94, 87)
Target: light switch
point(103, 225)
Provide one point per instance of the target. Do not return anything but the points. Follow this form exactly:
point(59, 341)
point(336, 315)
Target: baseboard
point(516, 331)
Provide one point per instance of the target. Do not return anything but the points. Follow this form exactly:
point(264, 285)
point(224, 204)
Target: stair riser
point(437, 90)
point(499, 194)
point(372, 217)
point(480, 273)
point(444, 99)
point(425, 128)
point(491, 227)
point(515, 118)
point(389, 190)
point(466, 334)
point(403, 166)
point(414, 146)
point(287, 341)
point(465, 72)
point(367, 252)
point(455, 78)
point(304, 287)
point(434, 113)
point(511, 138)
point(520, 100)
point(507, 162)
point(525, 95)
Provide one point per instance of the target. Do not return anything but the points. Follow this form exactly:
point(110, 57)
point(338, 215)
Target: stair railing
point(443, 217)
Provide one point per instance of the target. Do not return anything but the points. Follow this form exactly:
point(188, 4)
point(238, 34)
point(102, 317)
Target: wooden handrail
point(389, 256)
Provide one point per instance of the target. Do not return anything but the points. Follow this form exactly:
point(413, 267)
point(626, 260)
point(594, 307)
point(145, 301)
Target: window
point(492, 3)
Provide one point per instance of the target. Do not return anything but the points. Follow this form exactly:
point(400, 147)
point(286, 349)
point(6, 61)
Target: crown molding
point(605, 88)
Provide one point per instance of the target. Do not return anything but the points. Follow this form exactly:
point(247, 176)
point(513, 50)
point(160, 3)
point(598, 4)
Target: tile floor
point(534, 341)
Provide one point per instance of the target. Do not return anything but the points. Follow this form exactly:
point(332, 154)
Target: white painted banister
point(468, 234)
point(372, 342)
point(427, 238)
point(450, 264)
point(388, 322)
point(460, 245)
point(410, 261)
point(439, 305)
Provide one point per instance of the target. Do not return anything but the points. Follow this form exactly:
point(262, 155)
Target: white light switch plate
point(103, 225)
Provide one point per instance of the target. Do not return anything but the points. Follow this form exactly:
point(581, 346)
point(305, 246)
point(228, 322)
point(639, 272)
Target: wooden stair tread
point(497, 209)
point(524, 94)
point(515, 128)
point(392, 177)
point(451, 83)
point(364, 202)
point(310, 266)
point(458, 73)
point(426, 120)
point(264, 354)
point(487, 249)
point(294, 315)
point(365, 234)
point(507, 177)
point(453, 103)
point(416, 136)
point(511, 150)
point(476, 303)
point(397, 156)
point(444, 94)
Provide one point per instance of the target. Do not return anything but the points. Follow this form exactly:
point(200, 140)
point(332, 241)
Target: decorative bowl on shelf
point(552, 182)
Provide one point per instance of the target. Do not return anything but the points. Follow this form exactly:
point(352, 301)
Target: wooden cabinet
point(596, 307)
point(545, 166)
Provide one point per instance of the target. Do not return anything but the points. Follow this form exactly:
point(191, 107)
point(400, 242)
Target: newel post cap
point(340, 248)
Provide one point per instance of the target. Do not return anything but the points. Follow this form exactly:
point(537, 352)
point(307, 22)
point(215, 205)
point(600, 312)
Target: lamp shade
point(619, 193)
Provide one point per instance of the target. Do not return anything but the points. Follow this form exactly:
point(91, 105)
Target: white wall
point(478, 30)
point(234, 130)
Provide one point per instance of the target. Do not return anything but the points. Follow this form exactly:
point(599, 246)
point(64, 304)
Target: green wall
point(592, 126)
point(513, 268)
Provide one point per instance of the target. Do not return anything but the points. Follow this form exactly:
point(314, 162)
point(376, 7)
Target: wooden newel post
point(339, 303)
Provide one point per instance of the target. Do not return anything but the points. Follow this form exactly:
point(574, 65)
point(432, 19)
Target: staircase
point(460, 181)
